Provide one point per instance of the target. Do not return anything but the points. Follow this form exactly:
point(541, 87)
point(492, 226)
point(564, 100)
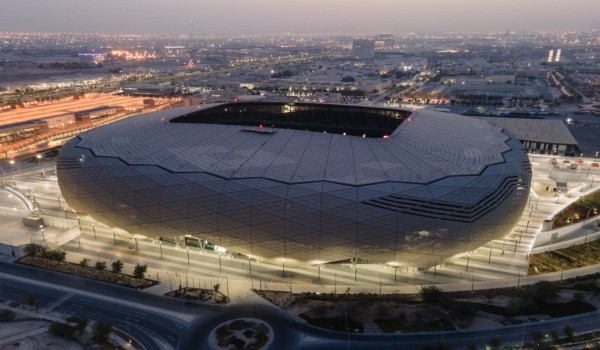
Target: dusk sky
point(306, 16)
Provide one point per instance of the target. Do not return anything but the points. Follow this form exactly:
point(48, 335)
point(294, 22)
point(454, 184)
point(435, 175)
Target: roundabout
point(242, 334)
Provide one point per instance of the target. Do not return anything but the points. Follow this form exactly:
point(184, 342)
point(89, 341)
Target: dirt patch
point(205, 295)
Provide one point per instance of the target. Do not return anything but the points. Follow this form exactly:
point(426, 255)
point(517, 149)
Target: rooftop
point(538, 130)
point(426, 147)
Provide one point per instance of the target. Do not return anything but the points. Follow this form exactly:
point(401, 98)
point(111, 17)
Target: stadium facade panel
point(309, 182)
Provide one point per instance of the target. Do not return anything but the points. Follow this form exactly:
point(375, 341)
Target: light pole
point(188, 254)
point(318, 273)
point(58, 198)
point(115, 238)
point(220, 265)
point(160, 247)
point(94, 229)
point(42, 228)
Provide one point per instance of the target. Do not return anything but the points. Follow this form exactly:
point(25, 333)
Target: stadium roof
point(426, 147)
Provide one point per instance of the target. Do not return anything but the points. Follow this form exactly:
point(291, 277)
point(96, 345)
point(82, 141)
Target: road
point(151, 328)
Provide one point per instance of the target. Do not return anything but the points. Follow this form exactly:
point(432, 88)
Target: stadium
point(301, 182)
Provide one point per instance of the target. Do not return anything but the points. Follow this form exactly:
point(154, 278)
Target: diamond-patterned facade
point(440, 185)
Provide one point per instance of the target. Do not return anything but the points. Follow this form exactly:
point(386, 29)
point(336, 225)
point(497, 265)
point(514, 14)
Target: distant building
point(384, 41)
point(363, 48)
point(148, 90)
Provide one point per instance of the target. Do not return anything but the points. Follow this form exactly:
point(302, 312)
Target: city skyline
point(271, 17)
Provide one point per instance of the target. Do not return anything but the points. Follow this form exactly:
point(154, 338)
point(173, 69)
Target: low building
point(541, 136)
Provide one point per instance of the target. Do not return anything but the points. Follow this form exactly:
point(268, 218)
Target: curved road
point(154, 329)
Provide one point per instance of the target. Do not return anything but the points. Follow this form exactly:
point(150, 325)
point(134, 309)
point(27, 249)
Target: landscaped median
point(49, 259)
point(433, 310)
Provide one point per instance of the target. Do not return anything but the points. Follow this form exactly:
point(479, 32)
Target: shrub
point(7, 315)
point(52, 254)
point(100, 265)
point(61, 330)
point(569, 333)
point(117, 266)
point(101, 331)
point(431, 294)
point(223, 331)
point(81, 322)
point(139, 270)
point(84, 262)
point(31, 300)
point(32, 249)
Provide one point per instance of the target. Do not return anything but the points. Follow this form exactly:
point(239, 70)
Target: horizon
point(270, 17)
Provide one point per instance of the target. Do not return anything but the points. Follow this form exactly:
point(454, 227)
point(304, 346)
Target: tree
point(31, 300)
point(216, 287)
point(569, 333)
point(495, 343)
point(555, 337)
point(117, 266)
point(101, 331)
point(84, 262)
point(100, 265)
point(139, 270)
